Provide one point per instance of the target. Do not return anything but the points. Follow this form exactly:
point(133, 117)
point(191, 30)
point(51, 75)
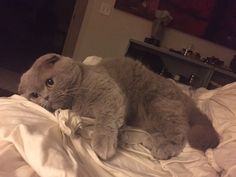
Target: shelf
point(180, 64)
point(165, 51)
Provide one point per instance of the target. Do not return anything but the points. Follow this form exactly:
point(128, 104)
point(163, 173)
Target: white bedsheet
point(34, 142)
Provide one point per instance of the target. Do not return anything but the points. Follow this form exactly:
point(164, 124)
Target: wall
point(108, 36)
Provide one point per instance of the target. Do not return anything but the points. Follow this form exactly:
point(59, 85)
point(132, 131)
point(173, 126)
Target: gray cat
point(120, 92)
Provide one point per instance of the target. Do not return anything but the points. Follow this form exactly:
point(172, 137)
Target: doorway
point(30, 29)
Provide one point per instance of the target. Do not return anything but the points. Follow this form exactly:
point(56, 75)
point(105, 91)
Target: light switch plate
point(105, 8)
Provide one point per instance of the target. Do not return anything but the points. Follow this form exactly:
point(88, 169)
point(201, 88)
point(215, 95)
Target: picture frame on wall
point(142, 8)
point(213, 20)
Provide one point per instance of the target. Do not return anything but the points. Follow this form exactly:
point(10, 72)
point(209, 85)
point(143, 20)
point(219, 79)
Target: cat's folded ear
point(50, 58)
point(47, 60)
point(53, 59)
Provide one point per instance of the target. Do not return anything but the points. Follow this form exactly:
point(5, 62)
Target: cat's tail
point(202, 134)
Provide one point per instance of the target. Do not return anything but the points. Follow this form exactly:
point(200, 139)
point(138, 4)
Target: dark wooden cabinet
point(179, 67)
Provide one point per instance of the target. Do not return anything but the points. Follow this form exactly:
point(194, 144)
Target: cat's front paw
point(165, 152)
point(162, 148)
point(104, 144)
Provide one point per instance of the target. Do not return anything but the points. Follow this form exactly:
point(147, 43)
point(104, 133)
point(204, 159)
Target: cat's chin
point(53, 108)
point(47, 106)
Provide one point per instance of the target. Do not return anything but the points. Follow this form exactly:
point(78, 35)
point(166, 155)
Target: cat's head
point(51, 82)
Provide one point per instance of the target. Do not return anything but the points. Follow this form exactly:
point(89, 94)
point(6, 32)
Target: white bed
point(35, 142)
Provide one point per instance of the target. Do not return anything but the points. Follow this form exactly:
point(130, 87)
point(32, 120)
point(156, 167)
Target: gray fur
point(120, 92)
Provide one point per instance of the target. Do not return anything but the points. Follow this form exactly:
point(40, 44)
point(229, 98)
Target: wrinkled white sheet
point(34, 142)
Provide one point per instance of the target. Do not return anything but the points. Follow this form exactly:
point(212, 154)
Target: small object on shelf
point(189, 54)
point(192, 79)
point(214, 61)
point(233, 64)
point(152, 41)
point(181, 79)
point(196, 56)
point(188, 49)
point(176, 77)
point(175, 51)
point(162, 19)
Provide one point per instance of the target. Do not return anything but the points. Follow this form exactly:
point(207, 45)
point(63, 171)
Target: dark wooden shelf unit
point(157, 58)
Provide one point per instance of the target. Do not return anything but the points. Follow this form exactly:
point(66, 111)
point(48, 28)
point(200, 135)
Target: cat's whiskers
point(60, 94)
point(72, 90)
point(68, 92)
point(44, 104)
point(85, 89)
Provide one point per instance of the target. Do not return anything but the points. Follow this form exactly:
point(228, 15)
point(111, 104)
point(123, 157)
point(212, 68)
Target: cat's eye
point(34, 95)
point(49, 82)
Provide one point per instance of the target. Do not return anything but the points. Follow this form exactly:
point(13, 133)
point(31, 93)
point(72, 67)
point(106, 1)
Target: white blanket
point(35, 142)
